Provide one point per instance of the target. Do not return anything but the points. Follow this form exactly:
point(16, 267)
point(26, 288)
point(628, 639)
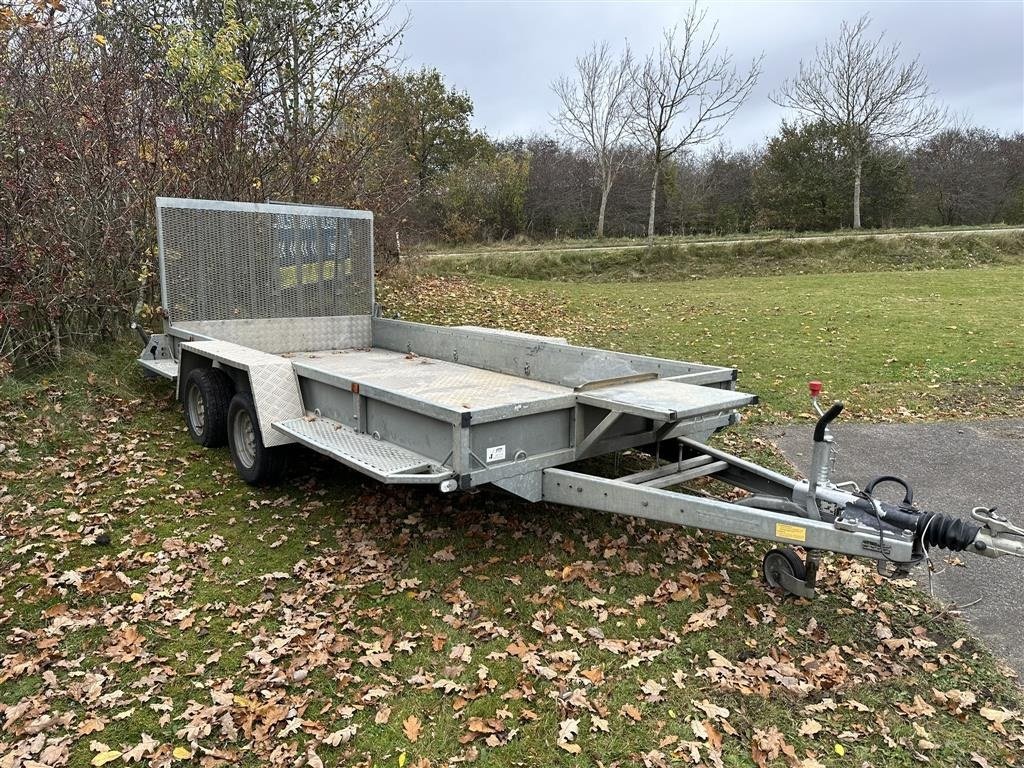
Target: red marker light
point(815, 387)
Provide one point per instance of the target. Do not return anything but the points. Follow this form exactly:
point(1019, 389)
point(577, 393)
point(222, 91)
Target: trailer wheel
point(254, 462)
point(206, 399)
point(782, 561)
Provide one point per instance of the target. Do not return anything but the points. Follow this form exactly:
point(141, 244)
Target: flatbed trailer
point(274, 340)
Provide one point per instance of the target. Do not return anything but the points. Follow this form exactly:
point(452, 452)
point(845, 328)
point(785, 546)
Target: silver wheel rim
point(775, 566)
point(196, 409)
point(244, 439)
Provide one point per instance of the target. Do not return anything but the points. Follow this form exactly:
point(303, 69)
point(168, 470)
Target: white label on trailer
point(497, 453)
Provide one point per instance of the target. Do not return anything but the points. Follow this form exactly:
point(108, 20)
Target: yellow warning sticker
point(791, 532)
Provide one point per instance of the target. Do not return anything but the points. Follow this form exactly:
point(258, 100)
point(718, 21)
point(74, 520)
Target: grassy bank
point(776, 257)
point(575, 243)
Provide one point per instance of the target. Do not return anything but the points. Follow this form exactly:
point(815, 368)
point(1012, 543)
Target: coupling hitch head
point(998, 536)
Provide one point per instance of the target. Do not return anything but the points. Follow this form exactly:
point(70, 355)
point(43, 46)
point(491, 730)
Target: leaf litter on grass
point(330, 621)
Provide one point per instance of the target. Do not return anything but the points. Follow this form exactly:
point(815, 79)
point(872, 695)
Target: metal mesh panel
point(229, 261)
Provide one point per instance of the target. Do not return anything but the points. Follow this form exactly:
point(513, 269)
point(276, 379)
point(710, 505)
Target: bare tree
point(961, 174)
point(685, 93)
point(595, 111)
point(862, 89)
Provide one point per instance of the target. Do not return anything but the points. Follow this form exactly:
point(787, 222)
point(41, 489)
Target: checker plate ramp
point(167, 368)
point(380, 459)
point(665, 400)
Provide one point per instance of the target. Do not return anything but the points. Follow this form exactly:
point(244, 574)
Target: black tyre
point(205, 400)
point(779, 561)
point(254, 462)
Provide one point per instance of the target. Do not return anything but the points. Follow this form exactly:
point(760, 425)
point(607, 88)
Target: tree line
point(798, 180)
point(866, 143)
point(105, 106)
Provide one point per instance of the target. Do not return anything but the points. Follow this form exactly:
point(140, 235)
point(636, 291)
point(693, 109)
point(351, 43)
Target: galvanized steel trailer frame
point(273, 305)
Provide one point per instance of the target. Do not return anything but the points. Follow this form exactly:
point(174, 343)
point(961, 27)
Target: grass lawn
point(153, 606)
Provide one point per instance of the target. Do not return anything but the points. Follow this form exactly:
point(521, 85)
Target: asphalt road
point(952, 467)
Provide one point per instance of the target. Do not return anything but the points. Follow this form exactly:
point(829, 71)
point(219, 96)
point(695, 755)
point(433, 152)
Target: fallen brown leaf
point(411, 727)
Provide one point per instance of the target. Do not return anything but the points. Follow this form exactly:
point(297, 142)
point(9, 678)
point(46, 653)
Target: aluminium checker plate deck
point(452, 388)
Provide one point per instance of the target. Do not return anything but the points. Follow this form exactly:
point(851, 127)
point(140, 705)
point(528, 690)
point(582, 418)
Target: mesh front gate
point(234, 261)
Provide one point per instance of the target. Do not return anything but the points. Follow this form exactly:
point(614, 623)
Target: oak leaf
point(653, 690)
point(411, 728)
point(630, 711)
point(997, 717)
point(809, 727)
point(92, 725)
point(568, 729)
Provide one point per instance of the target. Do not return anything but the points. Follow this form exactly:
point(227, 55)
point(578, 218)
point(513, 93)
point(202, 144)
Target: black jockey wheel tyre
point(254, 462)
point(779, 561)
point(205, 400)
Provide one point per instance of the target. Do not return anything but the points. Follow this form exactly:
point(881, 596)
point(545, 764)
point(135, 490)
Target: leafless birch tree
point(862, 89)
point(686, 92)
point(595, 112)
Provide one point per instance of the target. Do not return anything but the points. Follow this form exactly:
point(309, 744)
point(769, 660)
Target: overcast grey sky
point(505, 53)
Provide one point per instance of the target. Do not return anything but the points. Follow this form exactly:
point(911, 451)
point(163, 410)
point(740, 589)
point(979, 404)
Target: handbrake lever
point(995, 522)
